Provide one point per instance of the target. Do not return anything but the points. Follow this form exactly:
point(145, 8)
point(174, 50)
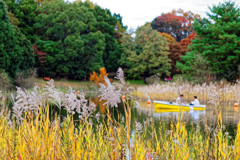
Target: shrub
point(25, 79)
point(5, 81)
point(153, 79)
point(99, 78)
point(179, 78)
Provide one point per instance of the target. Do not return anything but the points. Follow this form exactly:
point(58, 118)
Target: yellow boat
point(177, 107)
point(161, 110)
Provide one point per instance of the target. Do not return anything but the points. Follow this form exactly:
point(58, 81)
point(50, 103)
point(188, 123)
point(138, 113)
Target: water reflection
point(194, 116)
point(229, 114)
point(142, 110)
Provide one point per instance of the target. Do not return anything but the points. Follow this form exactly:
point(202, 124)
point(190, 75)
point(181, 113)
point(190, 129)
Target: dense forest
point(71, 40)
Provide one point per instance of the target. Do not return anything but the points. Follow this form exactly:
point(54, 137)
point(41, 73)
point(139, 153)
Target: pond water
point(141, 111)
point(230, 115)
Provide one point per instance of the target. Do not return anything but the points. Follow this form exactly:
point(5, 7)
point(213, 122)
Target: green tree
point(218, 42)
point(149, 55)
point(68, 34)
point(128, 48)
point(112, 27)
point(15, 50)
point(194, 66)
point(22, 14)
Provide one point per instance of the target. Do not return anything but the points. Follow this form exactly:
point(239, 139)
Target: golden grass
point(40, 138)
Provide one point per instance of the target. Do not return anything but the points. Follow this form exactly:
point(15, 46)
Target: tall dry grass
point(31, 131)
point(40, 138)
point(217, 93)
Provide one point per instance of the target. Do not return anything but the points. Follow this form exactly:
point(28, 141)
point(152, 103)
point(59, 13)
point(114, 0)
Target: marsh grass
point(216, 93)
point(37, 137)
point(35, 131)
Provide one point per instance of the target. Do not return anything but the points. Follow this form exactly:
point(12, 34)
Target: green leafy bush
point(25, 79)
point(5, 81)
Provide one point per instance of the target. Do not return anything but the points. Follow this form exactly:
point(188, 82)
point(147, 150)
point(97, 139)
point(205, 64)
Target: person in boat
point(195, 102)
point(179, 100)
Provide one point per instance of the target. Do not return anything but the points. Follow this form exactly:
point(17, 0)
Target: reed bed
point(217, 93)
point(40, 138)
point(32, 131)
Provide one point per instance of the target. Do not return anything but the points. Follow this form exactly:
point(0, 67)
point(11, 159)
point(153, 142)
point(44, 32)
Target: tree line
point(81, 37)
point(183, 44)
point(77, 38)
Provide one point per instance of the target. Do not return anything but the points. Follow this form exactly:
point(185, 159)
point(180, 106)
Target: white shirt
point(179, 100)
point(195, 102)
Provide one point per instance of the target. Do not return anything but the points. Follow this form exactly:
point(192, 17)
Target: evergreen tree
point(15, 50)
point(218, 42)
point(195, 67)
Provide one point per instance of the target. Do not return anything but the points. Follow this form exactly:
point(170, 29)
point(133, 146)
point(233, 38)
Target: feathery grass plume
point(112, 95)
point(75, 102)
point(126, 90)
point(120, 76)
point(70, 101)
point(82, 109)
point(52, 94)
point(26, 101)
point(109, 93)
point(147, 96)
point(139, 127)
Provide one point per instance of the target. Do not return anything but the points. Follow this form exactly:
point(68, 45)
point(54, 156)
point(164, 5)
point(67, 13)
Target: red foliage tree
point(175, 53)
point(189, 16)
point(172, 24)
point(177, 50)
point(185, 42)
point(177, 23)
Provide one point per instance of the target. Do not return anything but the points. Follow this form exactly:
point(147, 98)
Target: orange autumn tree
point(169, 37)
point(99, 78)
point(186, 41)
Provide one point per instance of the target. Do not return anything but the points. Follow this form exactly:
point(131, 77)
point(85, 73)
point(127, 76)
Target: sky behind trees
point(137, 12)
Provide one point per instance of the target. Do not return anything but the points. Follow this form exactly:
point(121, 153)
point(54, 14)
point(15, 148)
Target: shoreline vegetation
point(31, 131)
point(77, 40)
point(40, 138)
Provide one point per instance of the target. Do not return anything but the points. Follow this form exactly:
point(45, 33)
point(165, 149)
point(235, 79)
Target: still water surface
point(141, 111)
point(230, 116)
